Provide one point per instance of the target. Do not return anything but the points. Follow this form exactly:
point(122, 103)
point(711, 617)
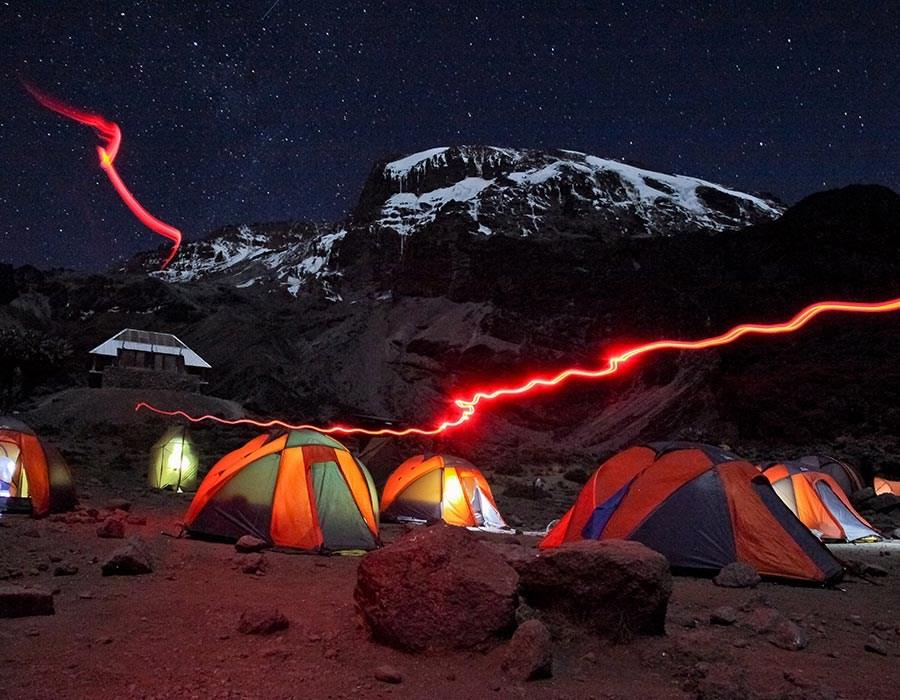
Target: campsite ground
point(173, 633)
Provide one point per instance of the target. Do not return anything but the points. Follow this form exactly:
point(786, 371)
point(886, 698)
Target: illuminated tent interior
point(701, 507)
point(440, 487)
point(174, 461)
point(843, 474)
point(34, 478)
point(297, 490)
point(819, 502)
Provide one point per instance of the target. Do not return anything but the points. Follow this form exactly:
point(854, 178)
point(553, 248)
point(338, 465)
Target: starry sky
point(241, 112)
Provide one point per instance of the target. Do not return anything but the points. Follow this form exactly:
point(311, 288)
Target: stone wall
point(125, 378)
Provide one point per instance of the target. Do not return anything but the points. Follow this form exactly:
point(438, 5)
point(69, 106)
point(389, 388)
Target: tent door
point(341, 523)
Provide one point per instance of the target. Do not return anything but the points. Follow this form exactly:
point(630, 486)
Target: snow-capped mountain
point(554, 193)
point(287, 256)
point(483, 192)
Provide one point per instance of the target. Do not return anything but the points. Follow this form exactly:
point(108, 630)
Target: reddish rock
point(436, 588)
point(529, 654)
point(737, 575)
point(262, 621)
point(25, 602)
point(616, 588)
point(788, 635)
point(249, 543)
point(388, 674)
point(130, 560)
point(111, 528)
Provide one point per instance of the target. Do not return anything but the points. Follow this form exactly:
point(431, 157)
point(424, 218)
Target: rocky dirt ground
point(174, 633)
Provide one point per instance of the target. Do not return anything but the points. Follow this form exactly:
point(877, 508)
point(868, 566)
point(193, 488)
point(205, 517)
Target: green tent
point(173, 461)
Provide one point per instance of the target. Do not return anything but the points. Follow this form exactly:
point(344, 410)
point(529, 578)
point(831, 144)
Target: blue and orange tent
point(701, 507)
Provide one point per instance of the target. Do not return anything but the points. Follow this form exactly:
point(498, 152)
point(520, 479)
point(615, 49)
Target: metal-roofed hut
point(136, 358)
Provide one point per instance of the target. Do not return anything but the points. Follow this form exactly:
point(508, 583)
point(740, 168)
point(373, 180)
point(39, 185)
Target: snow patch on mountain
point(248, 257)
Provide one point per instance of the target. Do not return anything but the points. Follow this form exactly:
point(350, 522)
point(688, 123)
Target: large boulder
point(436, 588)
point(615, 588)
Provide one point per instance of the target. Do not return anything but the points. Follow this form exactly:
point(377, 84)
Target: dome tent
point(174, 461)
point(34, 477)
point(882, 485)
point(701, 507)
point(440, 487)
point(845, 475)
point(295, 489)
point(820, 504)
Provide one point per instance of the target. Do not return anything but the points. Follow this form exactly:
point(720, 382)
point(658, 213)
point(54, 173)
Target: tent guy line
point(467, 407)
point(111, 134)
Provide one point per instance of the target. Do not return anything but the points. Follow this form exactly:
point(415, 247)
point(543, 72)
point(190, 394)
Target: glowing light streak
point(467, 407)
point(110, 133)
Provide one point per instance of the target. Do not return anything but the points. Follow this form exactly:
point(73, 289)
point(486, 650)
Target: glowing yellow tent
point(440, 487)
point(174, 461)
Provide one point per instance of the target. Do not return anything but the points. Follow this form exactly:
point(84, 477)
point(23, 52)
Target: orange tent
point(885, 486)
point(33, 476)
point(440, 487)
point(298, 489)
point(819, 502)
point(698, 505)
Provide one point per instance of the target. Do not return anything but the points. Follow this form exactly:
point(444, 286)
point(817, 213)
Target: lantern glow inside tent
point(34, 478)
point(174, 461)
point(440, 487)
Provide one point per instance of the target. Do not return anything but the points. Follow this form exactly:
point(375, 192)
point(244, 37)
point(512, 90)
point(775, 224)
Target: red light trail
point(467, 407)
point(110, 133)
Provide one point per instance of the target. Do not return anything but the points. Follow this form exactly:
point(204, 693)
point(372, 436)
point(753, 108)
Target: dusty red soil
point(173, 633)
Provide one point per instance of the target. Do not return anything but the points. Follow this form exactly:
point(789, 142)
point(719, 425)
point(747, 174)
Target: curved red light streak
point(467, 407)
point(110, 133)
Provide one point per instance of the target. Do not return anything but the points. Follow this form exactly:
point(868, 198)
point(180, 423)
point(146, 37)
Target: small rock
point(726, 615)
point(111, 528)
point(253, 564)
point(136, 520)
point(249, 543)
point(529, 654)
point(86, 595)
point(764, 619)
point(55, 558)
point(130, 560)
point(788, 635)
point(65, 570)
point(262, 621)
point(118, 504)
point(25, 602)
point(737, 575)
point(875, 570)
point(876, 645)
point(31, 532)
point(883, 626)
point(524, 613)
point(330, 653)
point(388, 674)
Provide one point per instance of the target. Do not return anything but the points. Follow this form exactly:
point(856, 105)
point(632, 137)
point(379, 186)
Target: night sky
point(240, 112)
